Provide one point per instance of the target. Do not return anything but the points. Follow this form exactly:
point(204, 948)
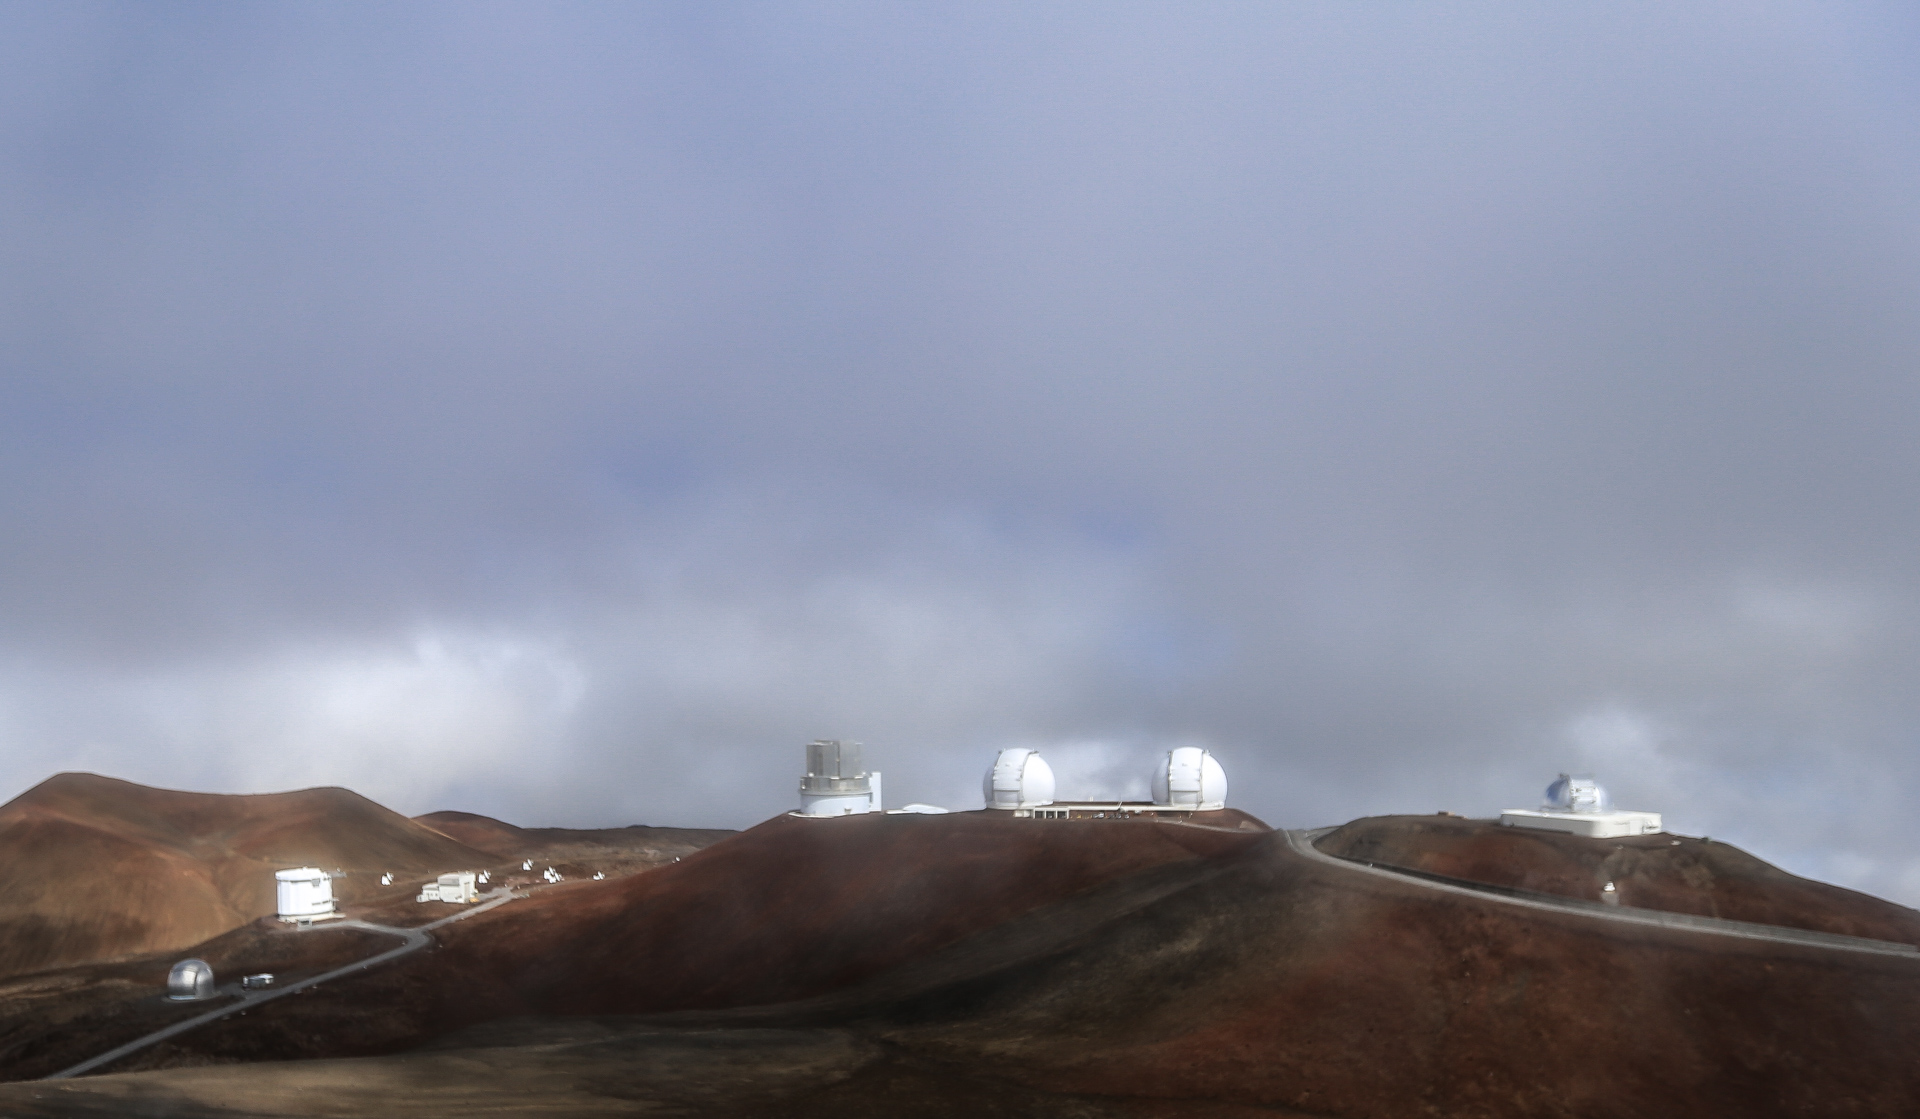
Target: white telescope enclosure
point(304, 893)
point(1019, 778)
point(1578, 805)
point(190, 981)
point(836, 784)
point(1190, 777)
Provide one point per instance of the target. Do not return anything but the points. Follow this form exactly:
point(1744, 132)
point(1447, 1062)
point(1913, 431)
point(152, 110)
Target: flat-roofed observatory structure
point(305, 893)
point(1579, 805)
point(836, 783)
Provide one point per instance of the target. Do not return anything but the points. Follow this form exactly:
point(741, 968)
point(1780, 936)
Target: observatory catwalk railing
point(1304, 842)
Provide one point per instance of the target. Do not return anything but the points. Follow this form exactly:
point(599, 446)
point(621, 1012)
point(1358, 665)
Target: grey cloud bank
point(566, 412)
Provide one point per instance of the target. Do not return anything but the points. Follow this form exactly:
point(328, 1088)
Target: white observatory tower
point(1579, 805)
point(1190, 778)
point(835, 784)
point(305, 894)
point(1020, 780)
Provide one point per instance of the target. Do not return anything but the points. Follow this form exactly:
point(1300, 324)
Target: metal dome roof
point(190, 981)
point(1019, 778)
point(1189, 777)
point(1577, 793)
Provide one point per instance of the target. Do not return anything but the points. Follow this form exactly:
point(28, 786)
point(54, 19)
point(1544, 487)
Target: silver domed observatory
point(1579, 805)
point(835, 783)
point(190, 981)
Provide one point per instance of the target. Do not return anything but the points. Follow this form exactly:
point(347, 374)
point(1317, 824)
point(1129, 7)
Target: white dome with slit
point(1573, 792)
point(1020, 778)
point(1190, 778)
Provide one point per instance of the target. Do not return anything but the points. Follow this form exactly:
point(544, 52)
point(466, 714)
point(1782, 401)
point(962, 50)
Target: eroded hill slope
point(98, 868)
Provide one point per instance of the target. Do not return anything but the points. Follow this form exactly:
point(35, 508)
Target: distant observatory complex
point(1578, 805)
point(1019, 782)
point(1188, 779)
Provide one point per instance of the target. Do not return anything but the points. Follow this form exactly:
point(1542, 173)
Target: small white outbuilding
point(305, 893)
point(459, 888)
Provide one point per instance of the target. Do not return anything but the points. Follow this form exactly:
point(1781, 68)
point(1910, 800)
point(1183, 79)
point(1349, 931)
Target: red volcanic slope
point(797, 907)
point(504, 840)
point(483, 833)
point(1293, 984)
point(1675, 873)
point(98, 868)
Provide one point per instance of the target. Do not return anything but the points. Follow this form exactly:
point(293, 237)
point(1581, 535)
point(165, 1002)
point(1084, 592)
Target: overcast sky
point(566, 412)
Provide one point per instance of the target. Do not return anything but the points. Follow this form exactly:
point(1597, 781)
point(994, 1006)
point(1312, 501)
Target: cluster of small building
point(1188, 779)
point(304, 894)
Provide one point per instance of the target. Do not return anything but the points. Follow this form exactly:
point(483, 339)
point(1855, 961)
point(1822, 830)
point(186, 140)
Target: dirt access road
point(1302, 842)
point(412, 941)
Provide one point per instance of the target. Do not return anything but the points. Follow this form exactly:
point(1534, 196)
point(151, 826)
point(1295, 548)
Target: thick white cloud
point(565, 413)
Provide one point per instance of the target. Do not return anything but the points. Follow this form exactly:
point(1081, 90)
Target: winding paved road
point(414, 939)
point(1302, 843)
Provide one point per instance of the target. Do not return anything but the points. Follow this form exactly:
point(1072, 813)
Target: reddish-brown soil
point(1675, 873)
point(554, 845)
point(797, 907)
point(786, 910)
point(52, 1020)
point(97, 868)
point(1262, 983)
point(1098, 968)
point(1298, 984)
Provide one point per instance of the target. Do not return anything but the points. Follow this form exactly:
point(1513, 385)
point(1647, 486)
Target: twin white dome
point(1188, 777)
point(1020, 778)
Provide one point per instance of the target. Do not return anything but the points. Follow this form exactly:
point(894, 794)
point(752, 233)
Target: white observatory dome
point(304, 892)
point(1190, 778)
point(1576, 794)
point(1020, 778)
point(190, 981)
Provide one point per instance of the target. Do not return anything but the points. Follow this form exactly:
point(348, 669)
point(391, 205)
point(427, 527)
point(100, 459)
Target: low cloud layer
point(565, 413)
